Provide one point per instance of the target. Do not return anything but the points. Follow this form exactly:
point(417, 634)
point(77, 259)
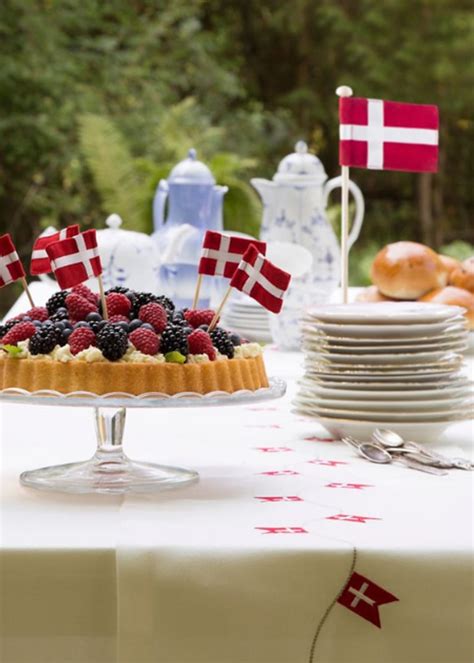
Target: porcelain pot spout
point(266, 189)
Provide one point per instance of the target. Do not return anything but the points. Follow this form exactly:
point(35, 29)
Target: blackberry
point(58, 300)
point(45, 340)
point(113, 342)
point(222, 341)
point(174, 338)
point(60, 314)
point(118, 288)
point(166, 303)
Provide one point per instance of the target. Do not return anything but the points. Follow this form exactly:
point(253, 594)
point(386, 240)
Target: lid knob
point(192, 154)
point(114, 221)
point(301, 147)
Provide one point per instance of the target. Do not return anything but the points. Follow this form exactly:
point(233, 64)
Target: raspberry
point(38, 313)
point(83, 291)
point(81, 339)
point(155, 314)
point(118, 318)
point(20, 332)
point(118, 304)
point(145, 340)
point(196, 318)
point(200, 343)
point(8, 325)
point(79, 307)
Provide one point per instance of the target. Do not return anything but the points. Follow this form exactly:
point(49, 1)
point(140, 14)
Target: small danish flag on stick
point(221, 255)
point(11, 267)
point(40, 262)
point(75, 260)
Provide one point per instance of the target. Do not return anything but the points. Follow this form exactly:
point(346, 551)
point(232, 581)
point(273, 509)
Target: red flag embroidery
point(363, 597)
point(11, 268)
point(388, 135)
point(261, 280)
point(221, 254)
point(40, 263)
point(75, 259)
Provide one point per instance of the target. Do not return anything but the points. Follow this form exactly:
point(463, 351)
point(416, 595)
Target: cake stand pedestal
point(110, 470)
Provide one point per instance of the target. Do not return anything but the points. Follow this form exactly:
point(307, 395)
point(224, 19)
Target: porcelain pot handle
point(359, 201)
point(159, 203)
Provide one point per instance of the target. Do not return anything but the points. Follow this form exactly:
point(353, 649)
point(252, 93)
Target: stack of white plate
point(248, 319)
point(392, 365)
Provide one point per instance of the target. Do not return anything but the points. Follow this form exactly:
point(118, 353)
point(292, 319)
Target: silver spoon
point(374, 453)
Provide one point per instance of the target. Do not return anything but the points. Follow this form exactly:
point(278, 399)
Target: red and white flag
point(388, 135)
point(261, 280)
point(364, 597)
point(75, 259)
point(40, 262)
point(11, 268)
point(221, 254)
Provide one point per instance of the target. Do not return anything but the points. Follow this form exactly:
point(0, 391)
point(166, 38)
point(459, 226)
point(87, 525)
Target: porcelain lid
point(191, 171)
point(116, 235)
point(300, 167)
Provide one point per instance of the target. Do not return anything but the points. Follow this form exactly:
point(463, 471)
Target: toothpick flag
point(261, 280)
point(40, 262)
point(75, 259)
point(388, 135)
point(221, 253)
point(11, 268)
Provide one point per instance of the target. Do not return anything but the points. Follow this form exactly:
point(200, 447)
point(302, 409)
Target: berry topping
point(79, 307)
point(113, 342)
point(8, 325)
point(155, 315)
point(140, 299)
point(83, 291)
point(61, 314)
point(166, 303)
point(118, 304)
point(135, 324)
point(197, 317)
point(44, 340)
point(200, 343)
point(222, 341)
point(174, 338)
point(235, 338)
point(145, 340)
point(19, 332)
point(118, 318)
point(81, 339)
point(56, 301)
point(38, 313)
point(118, 288)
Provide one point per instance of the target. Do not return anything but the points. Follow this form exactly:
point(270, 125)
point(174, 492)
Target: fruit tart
point(146, 346)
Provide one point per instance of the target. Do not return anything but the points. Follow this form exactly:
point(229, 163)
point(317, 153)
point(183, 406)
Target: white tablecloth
point(243, 567)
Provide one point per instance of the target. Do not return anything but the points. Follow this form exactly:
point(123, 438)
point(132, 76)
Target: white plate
point(349, 378)
point(452, 380)
point(382, 313)
point(380, 370)
point(444, 405)
point(455, 325)
point(379, 350)
point(418, 394)
point(386, 360)
point(380, 415)
point(460, 335)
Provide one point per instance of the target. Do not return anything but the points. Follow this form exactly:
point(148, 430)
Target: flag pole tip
point(344, 91)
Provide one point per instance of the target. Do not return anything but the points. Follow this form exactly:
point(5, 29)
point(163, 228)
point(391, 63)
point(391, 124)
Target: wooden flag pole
point(27, 290)
point(219, 309)
point(196, 292)
point(105, 313)
point(344, 91)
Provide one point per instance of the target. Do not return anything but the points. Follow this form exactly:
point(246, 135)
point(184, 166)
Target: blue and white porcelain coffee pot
point(295, 201)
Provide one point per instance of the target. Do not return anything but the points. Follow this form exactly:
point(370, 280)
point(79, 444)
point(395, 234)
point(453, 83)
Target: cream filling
point(247, 350)
point(197, 359)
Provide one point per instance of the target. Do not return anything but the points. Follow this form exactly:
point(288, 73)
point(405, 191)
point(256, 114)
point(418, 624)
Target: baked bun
point(372, 294)
point(450, 263)
point(463, 276)
point(407, 270)
point(454, 297)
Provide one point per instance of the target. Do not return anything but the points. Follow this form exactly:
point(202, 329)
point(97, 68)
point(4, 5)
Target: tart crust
point(133, 378)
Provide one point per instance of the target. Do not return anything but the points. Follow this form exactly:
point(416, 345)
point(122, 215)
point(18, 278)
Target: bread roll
point(450, 263)
point(407, 270)
point(454, 297)
point(372, 294)
point(463, 276)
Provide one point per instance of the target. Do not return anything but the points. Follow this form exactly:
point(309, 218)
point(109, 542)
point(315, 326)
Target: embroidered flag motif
point(364, 597)
point(221, 254)
point(40, 262)
point(261, 280)
point(75, 259)
point(11, 268)
point(388, 135)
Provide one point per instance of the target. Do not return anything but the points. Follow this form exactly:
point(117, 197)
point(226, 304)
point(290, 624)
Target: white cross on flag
point(363, 597)
point(261, 280)
point(40, 262)
point(221, 254)
point(11, 268)
point(388, 135)
point(75, 259)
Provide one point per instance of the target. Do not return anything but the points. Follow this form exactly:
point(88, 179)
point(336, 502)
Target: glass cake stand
point(110, 470)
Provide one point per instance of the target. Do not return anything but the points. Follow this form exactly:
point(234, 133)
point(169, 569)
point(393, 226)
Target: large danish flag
point(261, 280)
point(40, 262)
point(388, 135)
point(11, 268)
point(75, 259)
point(221, 253)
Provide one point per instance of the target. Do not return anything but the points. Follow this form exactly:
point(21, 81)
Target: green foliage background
point(99, 99)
